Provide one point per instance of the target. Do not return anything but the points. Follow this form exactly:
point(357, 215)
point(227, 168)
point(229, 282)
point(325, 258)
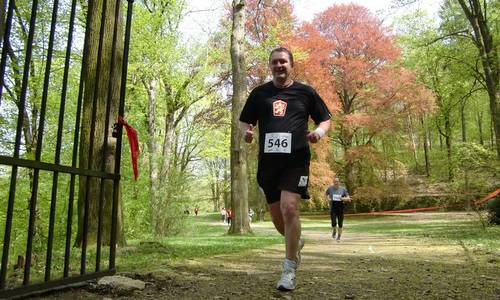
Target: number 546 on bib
point(278, 142)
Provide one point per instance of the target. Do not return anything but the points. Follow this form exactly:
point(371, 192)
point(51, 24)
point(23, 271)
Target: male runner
point(336, 195)
point(282, 108)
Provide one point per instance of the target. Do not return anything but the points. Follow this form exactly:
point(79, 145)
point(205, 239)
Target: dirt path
point(361, 266)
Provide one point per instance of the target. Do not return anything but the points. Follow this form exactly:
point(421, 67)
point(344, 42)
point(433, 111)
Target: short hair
point(282, 49)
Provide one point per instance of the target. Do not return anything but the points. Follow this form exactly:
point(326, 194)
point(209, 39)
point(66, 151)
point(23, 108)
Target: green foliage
point(477, 165)
point(475, 157)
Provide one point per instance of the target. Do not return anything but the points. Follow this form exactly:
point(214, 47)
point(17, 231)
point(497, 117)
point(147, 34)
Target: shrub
point(493, 207)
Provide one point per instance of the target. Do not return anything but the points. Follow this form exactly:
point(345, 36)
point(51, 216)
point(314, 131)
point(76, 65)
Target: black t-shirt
point(282, 115)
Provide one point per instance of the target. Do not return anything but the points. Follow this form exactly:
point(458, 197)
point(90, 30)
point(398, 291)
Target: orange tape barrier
point(487, 197)
point(410, 210)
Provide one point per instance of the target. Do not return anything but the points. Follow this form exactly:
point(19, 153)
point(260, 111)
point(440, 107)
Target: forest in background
point(414, 120)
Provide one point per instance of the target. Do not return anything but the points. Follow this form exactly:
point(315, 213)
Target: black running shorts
point(274, 177)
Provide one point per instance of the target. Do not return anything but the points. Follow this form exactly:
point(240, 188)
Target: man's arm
point(328, 199)
point(319, 132)
point(346, 197)
point(246, 131)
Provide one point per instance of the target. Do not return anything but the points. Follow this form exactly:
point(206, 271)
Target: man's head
point(282, 50)
point(336, 181)
point(281, 64)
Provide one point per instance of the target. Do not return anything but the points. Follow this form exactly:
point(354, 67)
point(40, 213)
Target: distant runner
point(336, 196)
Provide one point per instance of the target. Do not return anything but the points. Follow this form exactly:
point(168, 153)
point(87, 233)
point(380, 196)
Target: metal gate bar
point(17, 145)
point(121, 112)
point(57, 158)
point(39, 145)
point(6, 44)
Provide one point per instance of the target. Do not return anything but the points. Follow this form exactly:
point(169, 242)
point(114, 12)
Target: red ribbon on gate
point(133, 140)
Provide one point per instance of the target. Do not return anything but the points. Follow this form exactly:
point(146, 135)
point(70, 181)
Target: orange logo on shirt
point(279, 108)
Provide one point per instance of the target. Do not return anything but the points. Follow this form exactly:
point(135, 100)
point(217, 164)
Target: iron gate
point(25, 171)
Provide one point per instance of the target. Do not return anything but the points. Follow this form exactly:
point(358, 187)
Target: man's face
point(336, 182)
point(280, 66)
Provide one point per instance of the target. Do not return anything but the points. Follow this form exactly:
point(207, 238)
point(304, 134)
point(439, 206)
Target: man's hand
point(313, 137)
point(249, 134)
point(319, 132)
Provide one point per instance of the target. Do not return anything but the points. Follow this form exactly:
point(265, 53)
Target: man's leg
point(333, 217)
point(341, 224)
point(285, 216)
point(277, 217)
point(290, 211)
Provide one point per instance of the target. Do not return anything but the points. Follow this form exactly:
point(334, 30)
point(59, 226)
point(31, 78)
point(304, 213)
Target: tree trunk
point(440, 141)
point(226, 193)
point(239, 184)
point(167, 144)
point(487, 49)
point(447, 138)
point(464, 140)
point(413, 143)
point(426, 148)
point(492, 133)
point(429, 137)
point(384, 150)
point(214, 196)
point(151, 86)
point(462, 119)
point(97, 88)
point(480, 126)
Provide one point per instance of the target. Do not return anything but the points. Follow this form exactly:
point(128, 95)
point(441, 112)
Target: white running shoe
point(287, 281)
point(301, 245)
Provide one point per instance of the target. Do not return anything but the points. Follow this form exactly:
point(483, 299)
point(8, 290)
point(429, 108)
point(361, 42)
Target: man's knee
point(290, 210)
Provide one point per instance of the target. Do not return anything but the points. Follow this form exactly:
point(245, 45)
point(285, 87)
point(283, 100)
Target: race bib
point(336, 197)
point(278, 142)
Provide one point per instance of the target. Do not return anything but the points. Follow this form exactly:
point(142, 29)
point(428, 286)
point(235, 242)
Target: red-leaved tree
point(351, 59)
point(269, 22)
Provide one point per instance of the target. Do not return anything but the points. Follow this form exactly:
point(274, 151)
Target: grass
point(204, 236)
point(458, 227)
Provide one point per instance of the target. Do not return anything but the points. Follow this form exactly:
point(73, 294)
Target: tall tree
point(447, 64)
point(478, 15)
point(97, 82)
point(239, 185)
point(173, 80)
point(153, 65)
